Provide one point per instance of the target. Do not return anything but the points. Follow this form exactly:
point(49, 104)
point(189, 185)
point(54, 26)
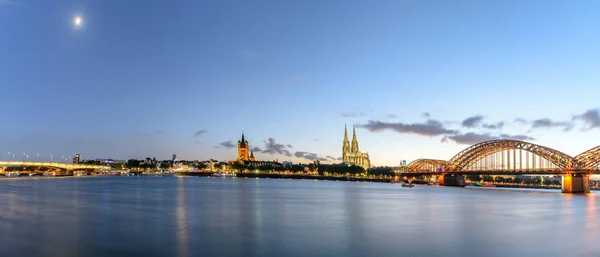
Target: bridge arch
point(589, 159)
point(472, 154)
point(421, 165)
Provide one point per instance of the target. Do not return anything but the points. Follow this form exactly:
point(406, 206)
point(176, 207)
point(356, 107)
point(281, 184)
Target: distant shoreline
point(287, 176)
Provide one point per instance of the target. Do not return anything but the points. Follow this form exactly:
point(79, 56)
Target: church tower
point(243, 150)
point(354, 141)
point(346, 146)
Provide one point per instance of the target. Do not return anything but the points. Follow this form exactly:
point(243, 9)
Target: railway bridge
point(511, 157)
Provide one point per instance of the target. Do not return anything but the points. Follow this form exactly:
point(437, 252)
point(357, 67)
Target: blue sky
point(143, 78)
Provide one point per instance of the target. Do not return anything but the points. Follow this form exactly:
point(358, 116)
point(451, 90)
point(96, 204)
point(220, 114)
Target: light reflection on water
point(151, 216)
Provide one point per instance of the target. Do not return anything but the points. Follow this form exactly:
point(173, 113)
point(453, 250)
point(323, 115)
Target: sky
point(418, 79)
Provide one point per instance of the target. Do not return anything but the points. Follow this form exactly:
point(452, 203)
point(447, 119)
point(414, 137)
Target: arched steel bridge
point(509, 157)
point(65, 166)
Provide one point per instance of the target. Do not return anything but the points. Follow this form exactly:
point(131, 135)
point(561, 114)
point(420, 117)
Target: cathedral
point(351, 154)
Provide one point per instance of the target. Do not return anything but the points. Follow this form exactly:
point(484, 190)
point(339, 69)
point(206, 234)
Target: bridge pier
point(576, 184)
point(452, 180)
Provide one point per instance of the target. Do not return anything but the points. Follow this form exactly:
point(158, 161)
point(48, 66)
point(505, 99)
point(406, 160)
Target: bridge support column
point(440, 180)
point(576, 183)
point(453, 180)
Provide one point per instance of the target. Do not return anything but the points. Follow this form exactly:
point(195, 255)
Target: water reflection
point(247, 217)
point(182, 231)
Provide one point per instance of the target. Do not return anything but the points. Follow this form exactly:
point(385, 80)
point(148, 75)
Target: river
point(190, 216)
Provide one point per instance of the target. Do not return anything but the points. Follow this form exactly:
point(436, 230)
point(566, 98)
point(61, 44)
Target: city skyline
point(417, 80)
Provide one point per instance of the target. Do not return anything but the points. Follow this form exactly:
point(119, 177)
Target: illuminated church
point(246, 156)
point(351, 154)
point(244, 153)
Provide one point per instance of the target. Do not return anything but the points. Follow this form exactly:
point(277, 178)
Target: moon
point(77, 21)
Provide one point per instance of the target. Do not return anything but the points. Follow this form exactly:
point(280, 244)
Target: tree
point(251, 168)
point(165, 165)
point(201, 166)
point(297, 168)
point(381, 171)
point(148, 166)
point(340, 169)
point(238, 166)
point(132, 164)
point(266, 167)
point(116, 166)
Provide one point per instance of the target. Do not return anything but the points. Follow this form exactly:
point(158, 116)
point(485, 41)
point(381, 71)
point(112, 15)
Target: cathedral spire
point(345, 146)
point(345, 134)
point(243, 139)
point(354, 141)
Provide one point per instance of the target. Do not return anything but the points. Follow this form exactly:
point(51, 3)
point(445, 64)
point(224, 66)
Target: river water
point(189, 216)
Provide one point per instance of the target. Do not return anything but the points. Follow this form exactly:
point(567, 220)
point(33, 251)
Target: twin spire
point(354, 140)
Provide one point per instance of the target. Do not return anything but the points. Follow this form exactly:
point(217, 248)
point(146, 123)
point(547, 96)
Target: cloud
point(498, 125)
point(591, 118)
point(227, 144)
point(198, 142)
point(289, 146)
point(547, 123)
point(353, 114)
point(200, 132)
point(472, 138)
point(521, 121)
point(392, 116)
point(426, 114)
point(272, 147)
point(256, 149)
point(309, 156)
point(316, 140)
point(472, 122)
point(430, 128)
point(141, 133)
point(249, 55)
point(159, 132)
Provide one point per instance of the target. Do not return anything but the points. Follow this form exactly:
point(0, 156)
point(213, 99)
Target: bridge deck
point(67, 166)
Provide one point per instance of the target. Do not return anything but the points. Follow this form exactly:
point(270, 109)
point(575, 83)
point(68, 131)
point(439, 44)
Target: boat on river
point(407, 185)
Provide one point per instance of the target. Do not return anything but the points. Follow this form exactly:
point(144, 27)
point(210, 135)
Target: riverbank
point(532, 186)
point(288, 176)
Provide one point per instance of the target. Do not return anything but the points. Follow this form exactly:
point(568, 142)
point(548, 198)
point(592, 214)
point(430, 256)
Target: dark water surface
point(173, 216)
